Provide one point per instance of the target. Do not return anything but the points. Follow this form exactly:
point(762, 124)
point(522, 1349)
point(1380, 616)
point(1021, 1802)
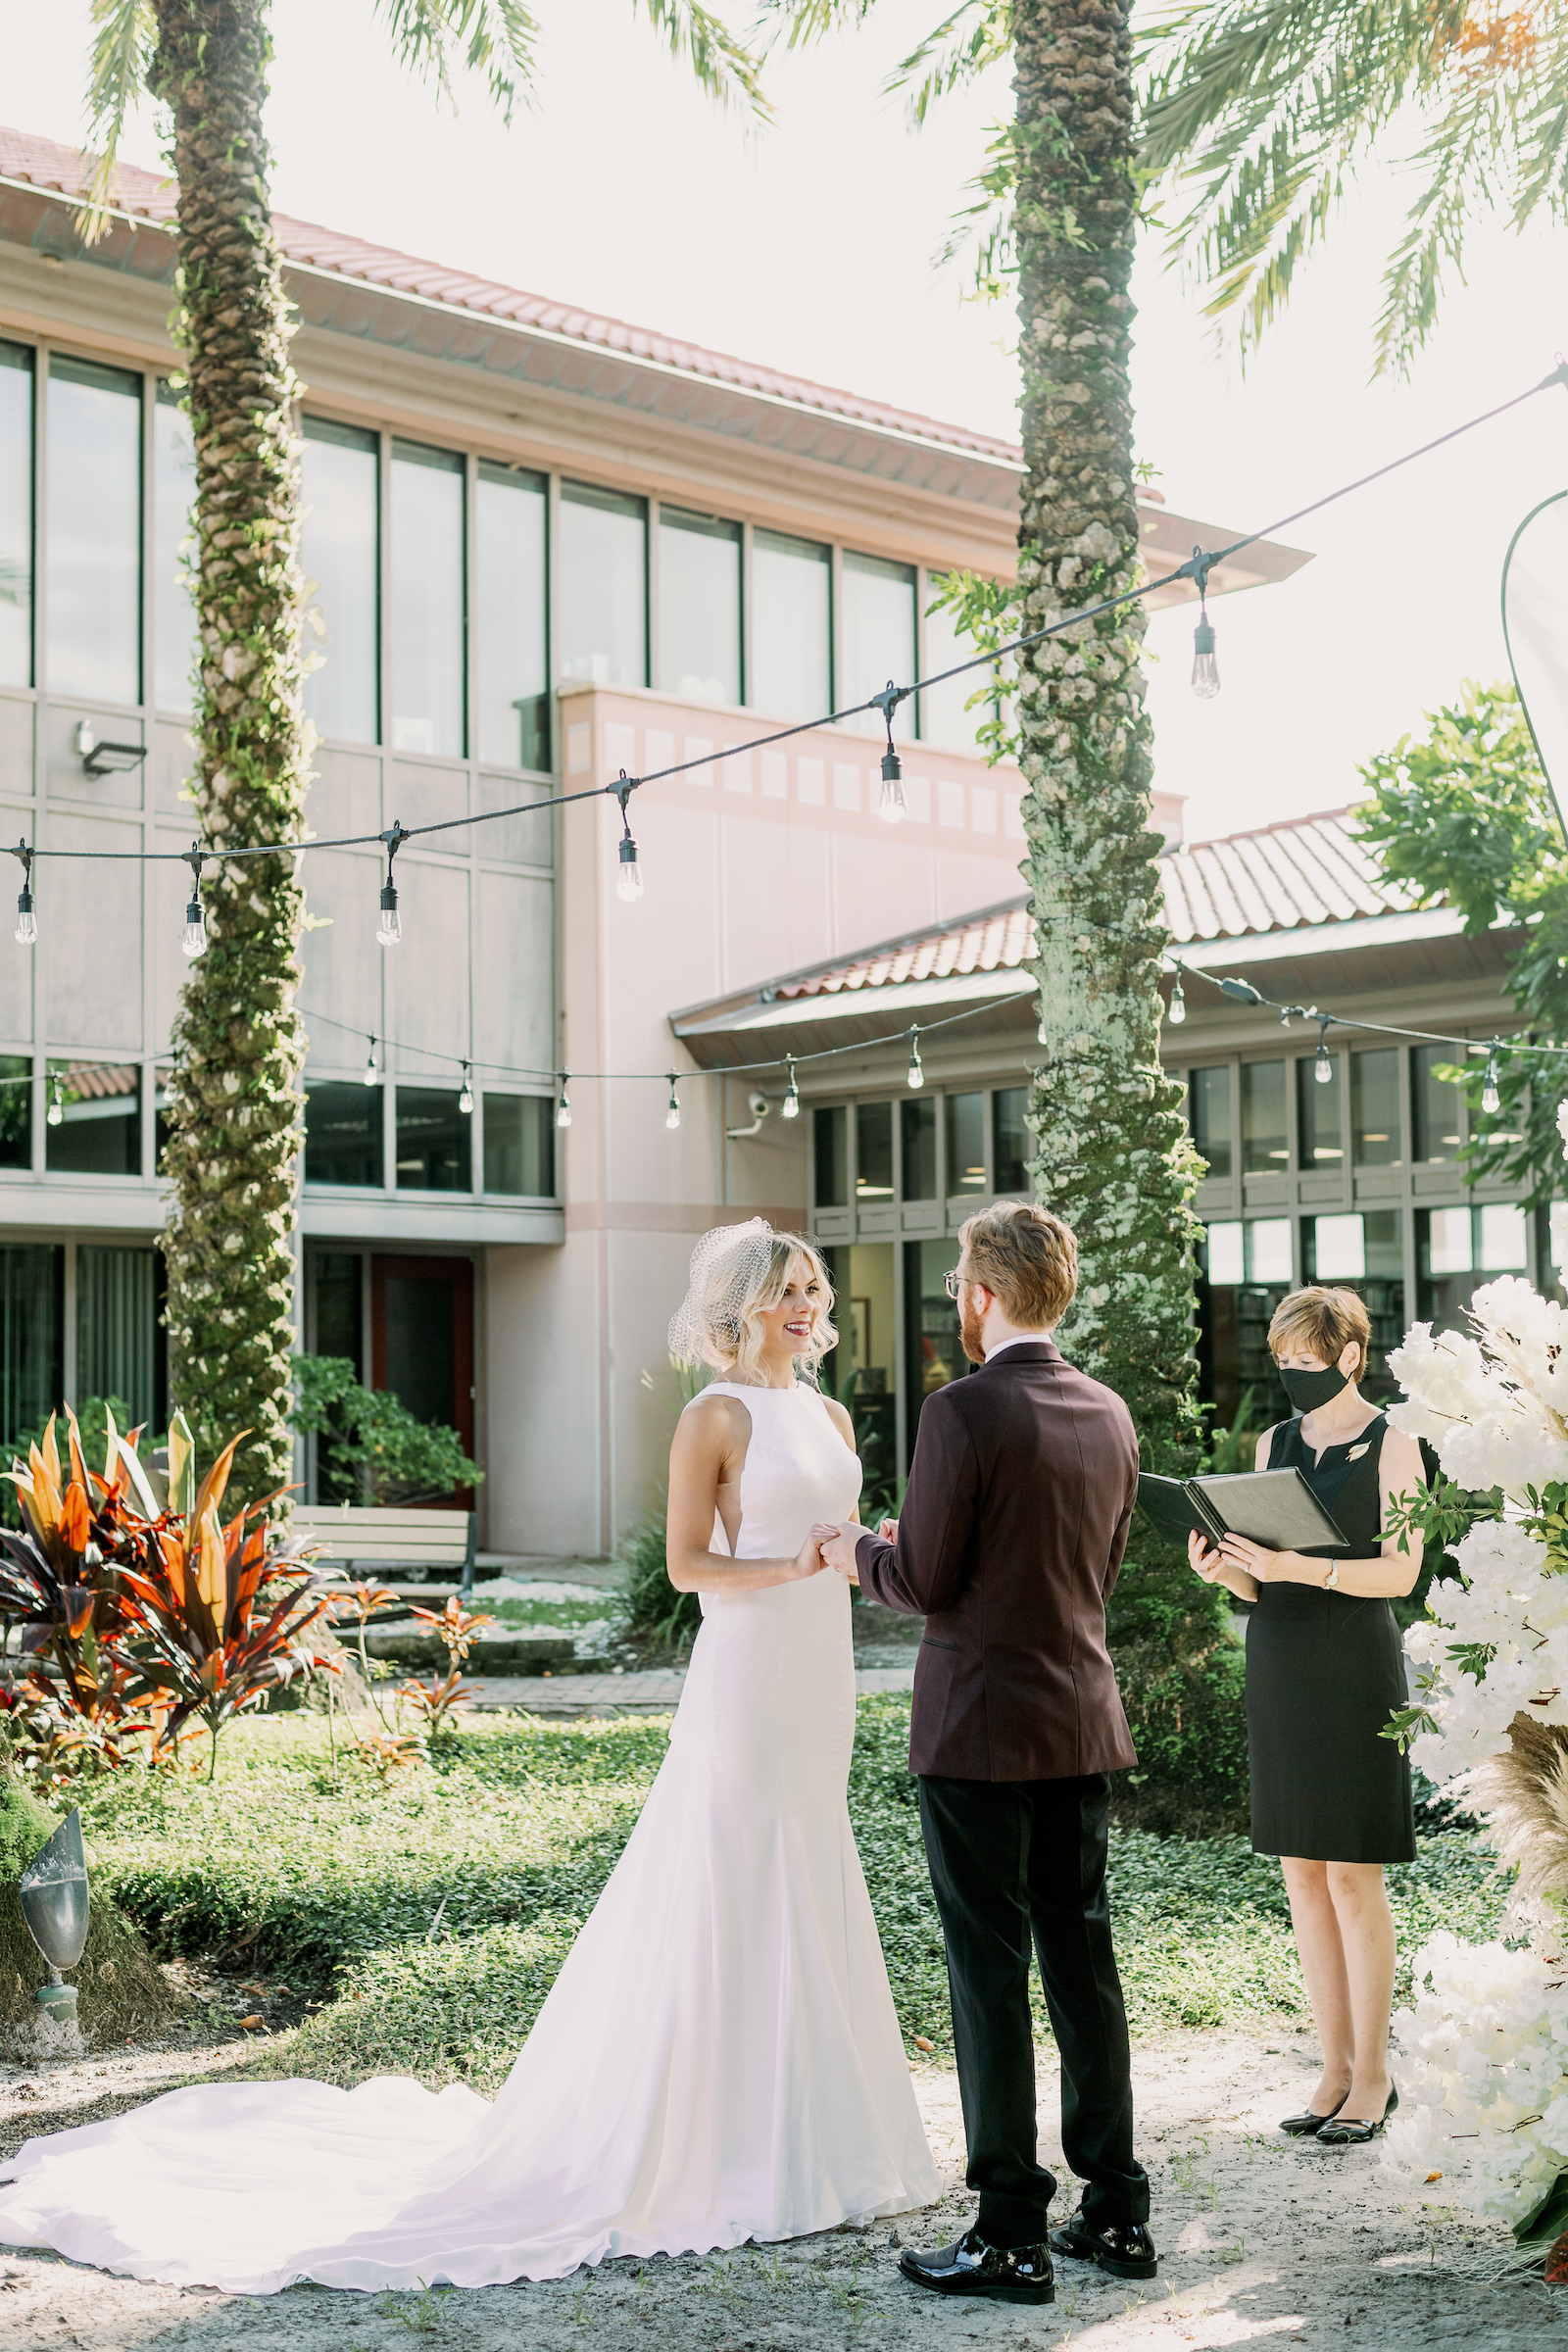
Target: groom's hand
point(838, 1547)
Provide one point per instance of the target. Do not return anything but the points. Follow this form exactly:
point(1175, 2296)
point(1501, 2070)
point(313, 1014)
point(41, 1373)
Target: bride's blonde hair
point(738, 1272)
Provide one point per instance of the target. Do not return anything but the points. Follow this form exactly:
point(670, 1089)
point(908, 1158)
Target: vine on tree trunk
point(235, 1100)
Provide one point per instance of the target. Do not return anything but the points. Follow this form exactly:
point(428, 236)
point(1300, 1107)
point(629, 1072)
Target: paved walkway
point(656, 1693)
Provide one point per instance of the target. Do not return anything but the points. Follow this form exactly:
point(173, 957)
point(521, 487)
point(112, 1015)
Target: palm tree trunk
point(1114, 1156)
point(234, 1100)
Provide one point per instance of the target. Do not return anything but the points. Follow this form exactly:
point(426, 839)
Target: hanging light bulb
point(465, 1097)
point(1323, 1071)
point(1176, 1010)
point(892, 808)
point(564, 1106)
point(914, 1075)
point(630, 875)
point(791, 1095)
point(57, 1108)
point(372, 1072)
point(1205, 672)
point(1491, 1098)
point(672, 1114)
point(390, 930)
point(26, 921)
point(193, 939)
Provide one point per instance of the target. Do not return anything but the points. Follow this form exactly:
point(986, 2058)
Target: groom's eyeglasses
point(950, 1283)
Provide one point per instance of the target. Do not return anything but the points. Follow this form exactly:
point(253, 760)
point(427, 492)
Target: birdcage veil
point(735, 1270)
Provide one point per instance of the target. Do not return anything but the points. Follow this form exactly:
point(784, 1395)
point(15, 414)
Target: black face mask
point(1306, 1391)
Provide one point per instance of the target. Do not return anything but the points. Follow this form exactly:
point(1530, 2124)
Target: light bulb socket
point(1203, 637)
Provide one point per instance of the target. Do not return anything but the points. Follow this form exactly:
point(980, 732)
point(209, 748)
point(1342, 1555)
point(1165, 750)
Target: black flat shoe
point(1307, 2125)
point(1355, 2131)
point(1123, 2248)
point(1007, 2274)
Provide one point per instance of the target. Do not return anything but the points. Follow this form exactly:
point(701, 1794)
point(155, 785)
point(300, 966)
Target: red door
point(421, 1342)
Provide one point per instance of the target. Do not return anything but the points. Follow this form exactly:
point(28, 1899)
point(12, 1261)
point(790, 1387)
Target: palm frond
point(801, 22)
point(723, 65)
point(977, 35)
point(492, 37)
point(125, 35)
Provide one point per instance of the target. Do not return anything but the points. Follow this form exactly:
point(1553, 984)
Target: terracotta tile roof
point(150, 196)
point(99, 1081)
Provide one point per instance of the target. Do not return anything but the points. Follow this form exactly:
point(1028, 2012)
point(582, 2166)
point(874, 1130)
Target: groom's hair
point(1027, 1256)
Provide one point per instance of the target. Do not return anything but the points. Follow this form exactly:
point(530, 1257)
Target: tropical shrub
point(655, 1612)
point(370, 1449)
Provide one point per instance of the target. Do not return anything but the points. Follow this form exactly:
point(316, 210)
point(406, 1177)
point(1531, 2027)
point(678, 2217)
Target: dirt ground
point(1263, 2241)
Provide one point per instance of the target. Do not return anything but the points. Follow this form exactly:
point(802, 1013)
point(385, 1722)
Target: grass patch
point(570, 1616)
point(431, 1912)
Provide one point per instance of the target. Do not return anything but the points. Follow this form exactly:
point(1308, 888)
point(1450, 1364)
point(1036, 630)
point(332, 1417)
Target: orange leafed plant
point(57, 1576)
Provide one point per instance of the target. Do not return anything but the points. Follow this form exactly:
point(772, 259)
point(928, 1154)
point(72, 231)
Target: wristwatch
point(1331, 1582)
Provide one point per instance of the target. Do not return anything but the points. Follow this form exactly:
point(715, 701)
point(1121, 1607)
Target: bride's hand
point(808, 1560)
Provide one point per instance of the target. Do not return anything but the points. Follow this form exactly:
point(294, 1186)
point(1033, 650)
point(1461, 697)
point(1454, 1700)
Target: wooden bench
point(363, 1539)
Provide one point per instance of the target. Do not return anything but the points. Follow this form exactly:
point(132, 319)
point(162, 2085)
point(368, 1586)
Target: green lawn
point(429, 1912)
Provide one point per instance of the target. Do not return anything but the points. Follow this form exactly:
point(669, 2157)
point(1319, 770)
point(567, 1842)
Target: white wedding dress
point(718, 2059)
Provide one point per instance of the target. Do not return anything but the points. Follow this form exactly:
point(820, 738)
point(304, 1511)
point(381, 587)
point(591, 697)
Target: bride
point(718, 2059)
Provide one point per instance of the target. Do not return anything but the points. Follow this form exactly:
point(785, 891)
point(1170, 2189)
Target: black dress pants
point(1008, 1858)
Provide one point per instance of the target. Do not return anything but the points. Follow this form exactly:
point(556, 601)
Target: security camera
point(758, 1105)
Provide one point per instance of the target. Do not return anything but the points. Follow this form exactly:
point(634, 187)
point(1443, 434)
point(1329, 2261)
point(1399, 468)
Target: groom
point(1013, 1529)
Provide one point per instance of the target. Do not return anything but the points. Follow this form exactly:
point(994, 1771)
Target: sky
point(809, 245)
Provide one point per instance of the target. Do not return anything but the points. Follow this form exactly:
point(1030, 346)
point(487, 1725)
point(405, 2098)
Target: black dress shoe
point(1307, 2124)
point(1007, 2274)
point(1125, 2248)
point(1355, 2131)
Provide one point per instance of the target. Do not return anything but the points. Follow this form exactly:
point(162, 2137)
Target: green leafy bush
point(1188, 1718)
point(654, 1610)
point(371, 1448)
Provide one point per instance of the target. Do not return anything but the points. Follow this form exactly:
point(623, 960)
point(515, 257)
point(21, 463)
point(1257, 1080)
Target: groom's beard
point(974, 1346)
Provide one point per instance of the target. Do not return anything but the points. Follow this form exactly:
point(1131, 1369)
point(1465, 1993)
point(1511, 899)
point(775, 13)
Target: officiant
point(1325, 1669)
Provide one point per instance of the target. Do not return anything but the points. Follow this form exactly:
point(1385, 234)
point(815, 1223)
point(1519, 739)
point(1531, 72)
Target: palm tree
point(235, 1102)
point(1058, 208)
point(1262, 111)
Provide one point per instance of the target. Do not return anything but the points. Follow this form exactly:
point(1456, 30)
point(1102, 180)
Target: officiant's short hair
point(1027, 1256)
point(1325, 1321)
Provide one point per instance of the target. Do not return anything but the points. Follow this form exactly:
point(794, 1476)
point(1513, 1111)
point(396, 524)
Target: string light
point(914, 1076)
point(892, 808)
point(564, 1105)
point(1323, 1067)
point(672, 1114)
point(57, 1108)
point(193, 939)
point(791, 1095)
point(1176, 1010)
point(1206, 676)
point(465, 1093)
point(26, 921)
point(629, 878)
point(390, 930)
point(372, 1072)
point(1491, 1097)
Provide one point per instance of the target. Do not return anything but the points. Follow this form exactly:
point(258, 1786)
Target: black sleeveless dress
point(1324, 1671)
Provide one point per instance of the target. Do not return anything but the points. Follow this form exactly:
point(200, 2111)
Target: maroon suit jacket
point(1013, 1529)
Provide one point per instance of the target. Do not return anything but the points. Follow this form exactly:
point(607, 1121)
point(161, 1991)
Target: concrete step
point(507, 1650)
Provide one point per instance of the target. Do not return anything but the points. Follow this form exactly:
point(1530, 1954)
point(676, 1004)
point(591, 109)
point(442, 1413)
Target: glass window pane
point(943, 717)
point(1010, 1138)
point(33, 1323)
point(1436, 1103)
point(1336, 1250)
point(1502, 1237)
point(16, 1111)
point(1375, 1107)
point(94, 553)
point(933, 1351)
point(604, 586)
point(1317, 1112)
point(1448, 1245)
point(1224, 1253)
point(343, 1134)
point(1367, 1251)
point(967, 1144)
point(16, 515)
point(699, 606)
point(99, 1130)
point(878, 638)
point(917, 1135)
point(519, 1138)
point(117, 1328)
point(173, 522)
point(1268, 1251)
point(873, 1151)
point(339, 557)
point(434, 1141)
point(513, 682)
point(428, 596)
point(830, 1137)
point(867, 1367)
point(792, 626)
point(1211, 1118)
point(1263, 1118)
point(339, 1295)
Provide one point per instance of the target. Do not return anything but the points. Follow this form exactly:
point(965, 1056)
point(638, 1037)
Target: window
point(1367, 1251)
point(604, 586)
point(16, 515)
point(116, 1328)
point(16, 1111)
point(1010, 1138)
point(519, 1138)
point(1211, 1118)
point(1246, 1270)
point(918, 1137)
point(434, 1142)
point(94, 549)
point(343, 1134)
point(878, 637)
point(1263, 1150)
point(1317, 1112)
point(1457, 1249)
point(1375, 1118)
point(831, 1154)
point(944, 718)
point(173, 522)
point(1259, 1251)
point(933, 1351)
point(339, 555)
point(1436, 1103)
point(699, 606)
point(967, 1144)
point(510, 516)
point(32, 1322)
point(873, 1151)
point(99, 1131)
point(792, 626)
point(428, 601)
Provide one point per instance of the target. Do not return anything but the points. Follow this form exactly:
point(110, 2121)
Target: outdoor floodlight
point(54, 1904)
point(106, 759)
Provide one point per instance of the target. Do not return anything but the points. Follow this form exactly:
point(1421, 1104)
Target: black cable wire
point(1338, 1020)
